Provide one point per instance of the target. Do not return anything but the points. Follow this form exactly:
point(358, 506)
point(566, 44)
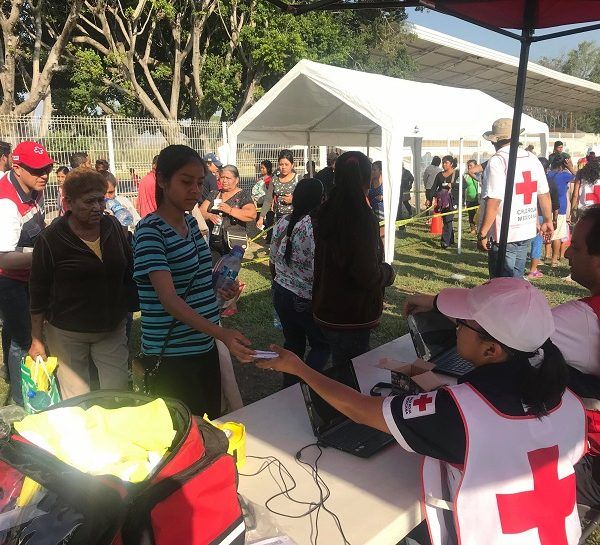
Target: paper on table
point(279, 540)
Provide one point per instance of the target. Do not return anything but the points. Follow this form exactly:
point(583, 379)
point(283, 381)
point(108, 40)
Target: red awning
point(509, 13)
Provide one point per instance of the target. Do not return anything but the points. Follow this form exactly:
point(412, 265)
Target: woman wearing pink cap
point(500, 446)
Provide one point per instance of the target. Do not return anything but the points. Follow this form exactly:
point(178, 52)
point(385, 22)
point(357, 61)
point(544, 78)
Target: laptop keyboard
point(453, 364)
point(353, 437)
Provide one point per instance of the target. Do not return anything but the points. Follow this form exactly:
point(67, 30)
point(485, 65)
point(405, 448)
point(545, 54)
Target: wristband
point(481, 237)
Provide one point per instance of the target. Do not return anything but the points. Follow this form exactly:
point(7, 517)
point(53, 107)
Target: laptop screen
point(322, 415)
point(432, 333)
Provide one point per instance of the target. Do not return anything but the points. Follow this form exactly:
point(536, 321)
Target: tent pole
point(417, 149)
point(310, 170)
point(527, 34)
point(368, 145)
point(460, 194)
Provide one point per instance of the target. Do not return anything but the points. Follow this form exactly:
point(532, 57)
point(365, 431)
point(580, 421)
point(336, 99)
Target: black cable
point(322, 487)
point(267, 463)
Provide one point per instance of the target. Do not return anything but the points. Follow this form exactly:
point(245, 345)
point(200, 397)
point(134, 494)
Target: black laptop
point(434, 338)
point(333, 429)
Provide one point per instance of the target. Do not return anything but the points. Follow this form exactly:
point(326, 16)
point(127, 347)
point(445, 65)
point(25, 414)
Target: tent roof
point(340, 106)
point(450, 61)
point(510, 13)
point(493, 14)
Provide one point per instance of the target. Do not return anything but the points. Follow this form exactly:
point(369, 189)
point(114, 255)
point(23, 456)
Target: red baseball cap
point(31, 154)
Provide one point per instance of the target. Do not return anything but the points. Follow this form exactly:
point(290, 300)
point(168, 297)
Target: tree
point(185, 58)
point(582, 62)
point(34, 37)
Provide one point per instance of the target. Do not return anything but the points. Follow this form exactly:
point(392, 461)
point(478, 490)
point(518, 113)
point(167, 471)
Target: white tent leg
point(392, 148)
point(460, 193)
point(417, 151)
point(322, 156)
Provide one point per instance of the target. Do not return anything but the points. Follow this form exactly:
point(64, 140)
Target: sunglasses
point(38, 171)
point(482, 332)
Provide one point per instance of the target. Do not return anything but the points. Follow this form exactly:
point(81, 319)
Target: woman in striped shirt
point(173, 271)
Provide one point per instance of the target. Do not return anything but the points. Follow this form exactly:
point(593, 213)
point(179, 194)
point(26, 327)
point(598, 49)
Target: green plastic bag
point(36, 399)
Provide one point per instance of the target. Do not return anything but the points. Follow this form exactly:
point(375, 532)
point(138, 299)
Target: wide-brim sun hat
point(501, 130)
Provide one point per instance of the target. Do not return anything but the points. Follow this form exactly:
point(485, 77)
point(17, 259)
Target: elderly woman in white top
point(292, 256)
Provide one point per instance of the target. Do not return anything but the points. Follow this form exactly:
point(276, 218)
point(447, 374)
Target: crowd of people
point(69, 289)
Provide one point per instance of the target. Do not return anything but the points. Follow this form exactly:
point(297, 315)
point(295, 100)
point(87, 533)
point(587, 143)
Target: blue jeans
point(514, 262)
point(16, 329)
point(299, 326)
point(347, 344)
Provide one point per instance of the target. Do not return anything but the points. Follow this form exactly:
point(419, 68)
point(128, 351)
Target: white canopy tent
point(318, 104)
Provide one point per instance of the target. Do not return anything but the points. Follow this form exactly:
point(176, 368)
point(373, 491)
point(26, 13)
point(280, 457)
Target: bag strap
point(184, 297)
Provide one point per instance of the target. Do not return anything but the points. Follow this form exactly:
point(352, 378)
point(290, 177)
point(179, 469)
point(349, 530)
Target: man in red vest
point(21, 221)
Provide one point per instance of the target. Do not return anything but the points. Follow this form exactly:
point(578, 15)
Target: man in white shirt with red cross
point(530, 188)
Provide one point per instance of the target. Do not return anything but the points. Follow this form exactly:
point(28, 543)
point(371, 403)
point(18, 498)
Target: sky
point(487, 38)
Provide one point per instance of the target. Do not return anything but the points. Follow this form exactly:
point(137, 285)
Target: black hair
point(590, 172)
point(102, 162)
point(5, 148)
point(78, 158)
point(110, 178)
point(592, 241)
point(63, 169)
point(378, 165)
point(286, 154)
point(170, 160)
point(558, 161)
point(268, 165)
point(557, 144)
point(155, 159)
point(450, 159)
point(542, 387)
point(471, 161)
point(307, 197)
point(436, 161)
point(347, 206)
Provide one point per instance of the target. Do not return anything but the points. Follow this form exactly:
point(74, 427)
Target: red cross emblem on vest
point(527, 187)
point(422, 401)
point(544, 508)
point(593, 197)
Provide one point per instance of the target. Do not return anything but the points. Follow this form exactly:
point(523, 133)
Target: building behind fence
point(129, 144)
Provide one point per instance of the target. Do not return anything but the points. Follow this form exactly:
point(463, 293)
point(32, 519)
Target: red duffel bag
point(189, 499)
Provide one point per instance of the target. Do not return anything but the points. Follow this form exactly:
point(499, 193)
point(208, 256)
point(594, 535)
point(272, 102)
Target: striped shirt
point(158, 247)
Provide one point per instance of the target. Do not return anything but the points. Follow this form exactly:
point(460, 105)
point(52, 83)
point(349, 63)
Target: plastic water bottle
point(38, 400)
point(226, 271)
point(217, 226)
point(120, 212)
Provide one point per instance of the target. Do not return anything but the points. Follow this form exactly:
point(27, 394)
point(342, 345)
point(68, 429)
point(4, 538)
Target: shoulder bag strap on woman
point(154, 369)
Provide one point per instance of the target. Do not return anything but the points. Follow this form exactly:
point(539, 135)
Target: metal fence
point(130, 144)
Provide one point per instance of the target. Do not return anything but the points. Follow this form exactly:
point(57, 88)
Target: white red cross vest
point(517, 486)
point(589, 193)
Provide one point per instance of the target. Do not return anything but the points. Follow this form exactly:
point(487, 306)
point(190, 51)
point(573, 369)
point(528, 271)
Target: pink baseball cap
point(510, 309)
point(31, 154)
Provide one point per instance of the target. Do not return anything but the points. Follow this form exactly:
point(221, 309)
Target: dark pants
point(447, 230)
point(299, 326)
point(473, 212)
point(270, 220)
point(588, 481)
point(16, 330)
point(195, 380)
point(347, 344)
point(514, 263)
